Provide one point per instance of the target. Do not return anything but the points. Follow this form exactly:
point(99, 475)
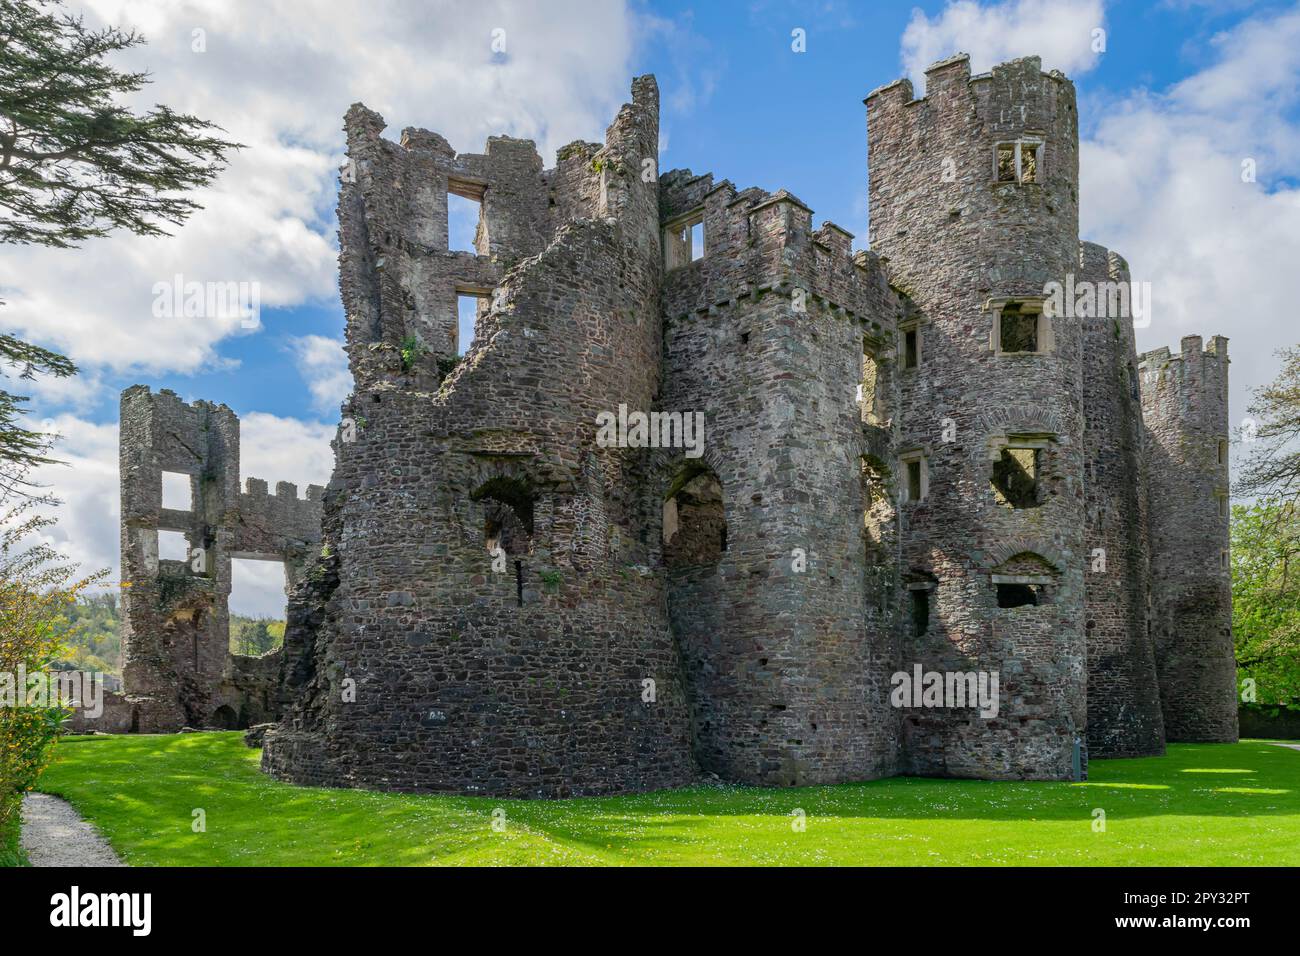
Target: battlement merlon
point(756, 242)
point(953, 74)
point(1190, 387)
point(1096, 262)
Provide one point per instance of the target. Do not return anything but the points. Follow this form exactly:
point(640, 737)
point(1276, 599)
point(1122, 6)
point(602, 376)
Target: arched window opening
point(508, 505)
point(1024, 580)
point(694, 520)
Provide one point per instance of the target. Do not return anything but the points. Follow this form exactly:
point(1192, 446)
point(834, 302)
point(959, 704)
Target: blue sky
point(1183, 92)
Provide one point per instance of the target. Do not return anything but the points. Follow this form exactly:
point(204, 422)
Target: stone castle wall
point(908, 461)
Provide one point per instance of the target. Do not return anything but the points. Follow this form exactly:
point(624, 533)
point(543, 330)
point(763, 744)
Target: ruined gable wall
point(954, 239)
point(1124, 718)
point(1185, 408)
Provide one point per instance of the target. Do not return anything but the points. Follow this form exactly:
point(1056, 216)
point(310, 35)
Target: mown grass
point(1202, 804)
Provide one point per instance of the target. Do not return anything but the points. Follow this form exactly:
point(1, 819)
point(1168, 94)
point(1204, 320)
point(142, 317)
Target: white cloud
point(278, 75)
point(324, 367)
point(285, 449)
point(1161, 183)
point(274, 448)
point(1060, 31)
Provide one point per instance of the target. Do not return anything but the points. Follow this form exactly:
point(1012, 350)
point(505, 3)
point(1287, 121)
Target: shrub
point(36, 585)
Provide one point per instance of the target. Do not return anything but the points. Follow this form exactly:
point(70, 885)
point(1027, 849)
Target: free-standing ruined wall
point(177, 667)
point(1185, 408)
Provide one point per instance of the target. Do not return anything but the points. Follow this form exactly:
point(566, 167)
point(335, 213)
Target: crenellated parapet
point(756, 243)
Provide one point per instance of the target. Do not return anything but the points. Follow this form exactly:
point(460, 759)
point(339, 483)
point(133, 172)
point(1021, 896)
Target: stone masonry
point(177, 667)
point(920, 459)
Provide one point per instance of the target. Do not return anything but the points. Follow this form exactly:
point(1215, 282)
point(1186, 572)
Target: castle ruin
point(914, 461)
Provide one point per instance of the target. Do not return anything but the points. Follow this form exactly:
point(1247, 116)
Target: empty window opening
point(684, 241)
point(469, 306)
point(869, 391)
point(463, 218)
point(258, 599)
point(1017, 162)
point(1223, 506)
point(1018, 329)
point(508, 513)
point(1016, 477)
point(694, 520)
point(917, 476)
point(911, 348)
point(1018, 595)
point(1223, 452)
point(920, 611)
point(176, 492)
point(173, 546)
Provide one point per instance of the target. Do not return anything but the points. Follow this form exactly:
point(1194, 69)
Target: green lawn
point(1201, 804)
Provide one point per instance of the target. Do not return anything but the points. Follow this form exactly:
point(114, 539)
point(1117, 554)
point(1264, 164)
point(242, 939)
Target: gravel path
point(55, 835)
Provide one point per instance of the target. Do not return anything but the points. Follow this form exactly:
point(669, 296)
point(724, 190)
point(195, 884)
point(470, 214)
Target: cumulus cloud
point(324, 367)
point(1165, 181)
point(278, 75)
point(1060, 31)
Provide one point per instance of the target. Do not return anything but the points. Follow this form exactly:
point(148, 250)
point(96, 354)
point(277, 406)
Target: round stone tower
point(1185, 408)
point(974, 205)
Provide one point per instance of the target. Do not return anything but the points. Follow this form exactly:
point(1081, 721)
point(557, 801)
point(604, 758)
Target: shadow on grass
point(143, 792)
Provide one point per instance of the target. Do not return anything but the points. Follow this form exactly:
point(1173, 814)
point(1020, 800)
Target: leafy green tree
point(1272, 466)
point(1266, 597)
point(255, 636)
point(75, 164)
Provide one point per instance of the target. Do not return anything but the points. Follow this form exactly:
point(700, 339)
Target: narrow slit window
point(920, 611)
point(868, 393)
point(697, 241)
point(917, 479)
point(911, 348)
